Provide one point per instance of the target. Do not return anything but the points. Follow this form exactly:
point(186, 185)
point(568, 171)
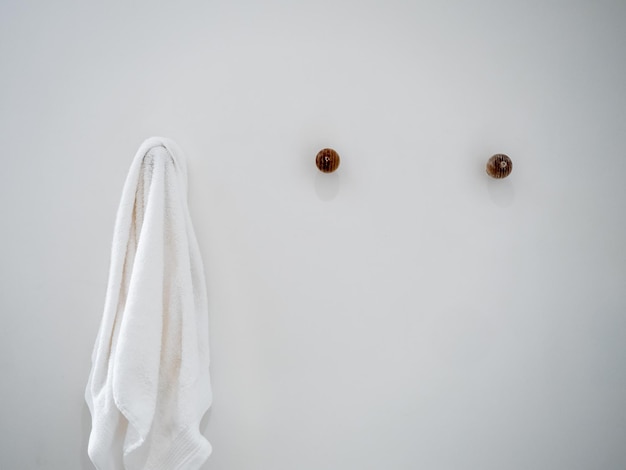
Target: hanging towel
point(149, 384)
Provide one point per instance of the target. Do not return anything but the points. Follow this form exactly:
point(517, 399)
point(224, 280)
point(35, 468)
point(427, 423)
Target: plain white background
point(406, 312)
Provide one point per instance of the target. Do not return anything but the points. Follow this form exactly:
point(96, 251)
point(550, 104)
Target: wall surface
point(406, 312)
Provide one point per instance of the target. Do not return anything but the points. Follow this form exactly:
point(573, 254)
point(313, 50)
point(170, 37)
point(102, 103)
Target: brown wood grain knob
point(327, 160)
point(499, 166)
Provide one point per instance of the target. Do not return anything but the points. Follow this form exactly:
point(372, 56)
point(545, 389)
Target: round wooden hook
point(327, 160)
point(499, 166)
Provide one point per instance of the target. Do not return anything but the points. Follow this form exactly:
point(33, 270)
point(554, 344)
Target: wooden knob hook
point(327, 160)
point(499, 166)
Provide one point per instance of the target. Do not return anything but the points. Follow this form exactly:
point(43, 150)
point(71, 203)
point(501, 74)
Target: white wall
point(406, 312)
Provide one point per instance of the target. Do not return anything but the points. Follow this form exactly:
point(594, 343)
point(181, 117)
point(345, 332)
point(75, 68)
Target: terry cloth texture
point(149, 385)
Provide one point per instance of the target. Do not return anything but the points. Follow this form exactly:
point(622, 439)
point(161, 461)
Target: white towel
point(149, 385)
